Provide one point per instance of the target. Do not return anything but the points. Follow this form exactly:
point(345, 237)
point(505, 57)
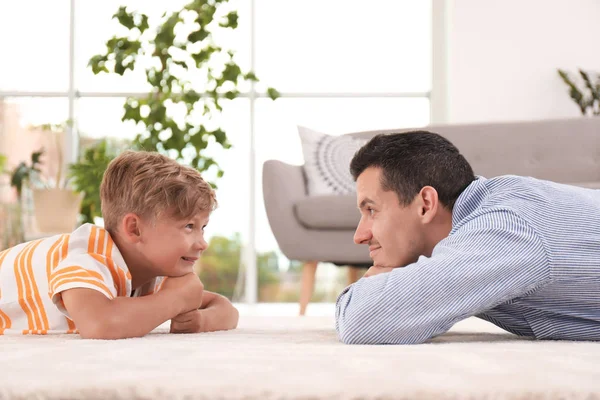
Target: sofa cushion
point(340, 211)
point(587, 185)
point(328, 212)
point(327, 162)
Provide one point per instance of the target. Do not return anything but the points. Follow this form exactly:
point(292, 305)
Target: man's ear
point(429, 203)
point(131, 228)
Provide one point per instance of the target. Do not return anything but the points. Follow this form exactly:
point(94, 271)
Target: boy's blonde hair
point(149, 184)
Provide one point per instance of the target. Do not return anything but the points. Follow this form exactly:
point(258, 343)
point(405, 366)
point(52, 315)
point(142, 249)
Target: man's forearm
point(219, 314)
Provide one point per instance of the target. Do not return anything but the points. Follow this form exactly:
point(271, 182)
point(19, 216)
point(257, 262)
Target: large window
point(341, 66)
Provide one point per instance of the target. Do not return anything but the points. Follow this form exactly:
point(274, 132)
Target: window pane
point(95, 26)
point(101, 117)
point(19, 136)
point(344, 46)
point(277, 138)
point(35, 45)
point(219, 266)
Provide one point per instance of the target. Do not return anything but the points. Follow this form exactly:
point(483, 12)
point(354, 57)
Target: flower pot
point(56, 210)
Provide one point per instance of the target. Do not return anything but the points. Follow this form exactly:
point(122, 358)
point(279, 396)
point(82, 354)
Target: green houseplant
point(180, 47)
point(587, 97)
point(86, 176)
point(25, 172)
point(2, 163)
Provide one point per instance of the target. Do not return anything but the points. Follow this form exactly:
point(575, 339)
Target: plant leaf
point(273, 93)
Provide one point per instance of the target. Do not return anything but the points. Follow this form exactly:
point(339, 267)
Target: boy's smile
point(166, 246)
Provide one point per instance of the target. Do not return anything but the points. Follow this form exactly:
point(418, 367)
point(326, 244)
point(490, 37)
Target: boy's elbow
point(107, 328)
point(96, 330)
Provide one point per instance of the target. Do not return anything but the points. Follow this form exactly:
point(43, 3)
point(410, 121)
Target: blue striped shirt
point(522, 253)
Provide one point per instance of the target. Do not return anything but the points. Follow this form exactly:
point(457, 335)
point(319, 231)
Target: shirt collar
point(469, 200)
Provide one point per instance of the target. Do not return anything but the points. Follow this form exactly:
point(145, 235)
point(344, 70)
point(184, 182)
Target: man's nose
point(362, 234)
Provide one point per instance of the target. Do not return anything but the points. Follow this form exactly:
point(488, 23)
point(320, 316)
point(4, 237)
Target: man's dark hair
point(412, 160)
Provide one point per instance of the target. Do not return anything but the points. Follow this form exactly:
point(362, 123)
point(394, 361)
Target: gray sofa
point(321, 228)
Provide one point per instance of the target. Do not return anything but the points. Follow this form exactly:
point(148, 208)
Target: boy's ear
point(131, 225)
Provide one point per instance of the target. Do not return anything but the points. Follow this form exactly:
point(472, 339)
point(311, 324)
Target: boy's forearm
point(219, 314)
point(135, 317)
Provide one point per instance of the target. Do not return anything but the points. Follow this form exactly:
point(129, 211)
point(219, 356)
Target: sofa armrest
point(283, 186)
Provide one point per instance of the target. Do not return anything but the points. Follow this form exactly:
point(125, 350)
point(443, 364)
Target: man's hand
point(375, 270)
point(189, 322)
point(189, 291)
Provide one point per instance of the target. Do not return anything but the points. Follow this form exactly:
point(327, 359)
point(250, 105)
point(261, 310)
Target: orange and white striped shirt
point(33, 275)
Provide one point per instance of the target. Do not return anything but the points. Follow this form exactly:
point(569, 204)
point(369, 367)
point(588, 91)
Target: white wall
point(503, 55)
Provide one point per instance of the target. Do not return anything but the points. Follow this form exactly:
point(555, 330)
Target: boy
point(125, 280)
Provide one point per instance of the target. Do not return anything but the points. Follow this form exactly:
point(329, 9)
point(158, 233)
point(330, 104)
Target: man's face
point(394, 233)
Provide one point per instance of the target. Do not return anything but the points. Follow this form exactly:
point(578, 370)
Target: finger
point(181, 327)
point(185, 317)
point(191, 324)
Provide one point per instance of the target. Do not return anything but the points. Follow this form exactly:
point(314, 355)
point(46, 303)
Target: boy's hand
point(189, 322)
point(216, 314)
point(188, 290)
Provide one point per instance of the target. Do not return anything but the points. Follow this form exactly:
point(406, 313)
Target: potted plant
point(55, 204)
point(172, 118)
point(587, 98)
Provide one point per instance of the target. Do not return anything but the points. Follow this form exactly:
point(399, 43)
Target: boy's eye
point(370, 210)
point(190, 226)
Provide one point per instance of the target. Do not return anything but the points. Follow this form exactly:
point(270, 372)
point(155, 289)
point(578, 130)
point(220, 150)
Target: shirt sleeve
point(489, 260)
point(88, 271)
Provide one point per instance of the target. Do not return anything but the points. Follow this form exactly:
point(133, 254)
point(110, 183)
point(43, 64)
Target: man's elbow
point(357, 327)
point(384, 335)
point(371, 328)
point(354, 336)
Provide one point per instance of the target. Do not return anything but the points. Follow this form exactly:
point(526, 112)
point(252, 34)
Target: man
point(519, 252)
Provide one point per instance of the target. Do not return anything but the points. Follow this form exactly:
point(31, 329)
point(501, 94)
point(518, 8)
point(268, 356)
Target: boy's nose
point(201, 244)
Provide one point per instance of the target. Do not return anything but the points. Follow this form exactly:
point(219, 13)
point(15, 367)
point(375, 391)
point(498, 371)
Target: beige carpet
point(295, 358)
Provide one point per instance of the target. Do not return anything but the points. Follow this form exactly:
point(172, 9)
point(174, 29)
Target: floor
point(285, 309)
point(297, 358)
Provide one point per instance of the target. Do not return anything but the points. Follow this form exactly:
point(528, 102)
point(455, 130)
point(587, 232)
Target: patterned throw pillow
point(327, 162)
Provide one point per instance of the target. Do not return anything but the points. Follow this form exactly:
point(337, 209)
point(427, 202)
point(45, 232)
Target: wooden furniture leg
point(307, 284)
point(353, 273)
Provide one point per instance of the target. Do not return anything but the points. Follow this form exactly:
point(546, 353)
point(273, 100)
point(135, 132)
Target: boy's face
point(171, 247)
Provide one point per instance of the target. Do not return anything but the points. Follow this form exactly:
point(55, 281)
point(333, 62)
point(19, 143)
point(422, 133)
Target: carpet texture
point(298, 358)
